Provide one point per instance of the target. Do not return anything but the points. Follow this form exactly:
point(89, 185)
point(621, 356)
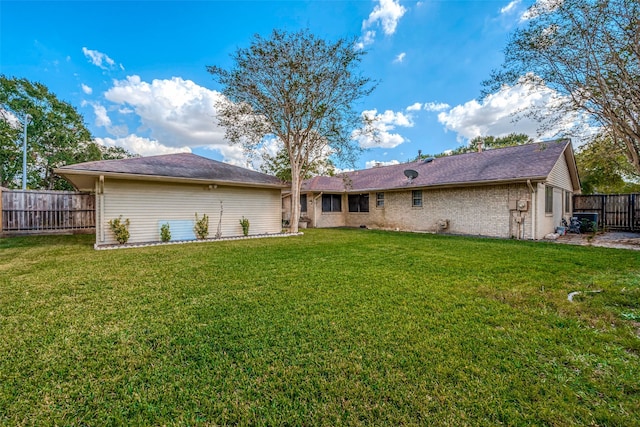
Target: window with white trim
point(331, 203)
point(358, 202)
point(416, 198)
point(548, 199)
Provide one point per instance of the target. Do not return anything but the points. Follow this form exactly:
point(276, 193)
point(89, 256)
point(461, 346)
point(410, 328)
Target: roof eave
point(436, 186)
point(162, 178)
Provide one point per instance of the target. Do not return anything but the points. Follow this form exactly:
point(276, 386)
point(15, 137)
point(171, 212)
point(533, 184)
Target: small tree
point(120, 229)
point(165, 232)
point(299, 89)
point(201, 228)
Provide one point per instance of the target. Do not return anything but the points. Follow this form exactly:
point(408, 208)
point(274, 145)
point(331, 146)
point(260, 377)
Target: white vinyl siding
point(149, 204)
point(559, 176)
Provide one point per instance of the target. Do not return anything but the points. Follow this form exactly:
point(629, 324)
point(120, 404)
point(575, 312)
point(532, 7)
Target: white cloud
point(436, 106)
point(540, 7)
point(367, 38)
point(103, 119)
point(428, 106)
point(376, 163)
point(505, 112)
point(99, 59)
point(176, 112)
point(510, 7)
point(384, 124)
point(142, 146)
point(86, 89)
point(400, 58)
point(11, 118)
point(386, 14)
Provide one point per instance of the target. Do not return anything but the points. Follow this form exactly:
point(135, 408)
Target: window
point(548, 199)
point(331, 203)
point(416, 198)
point(358, 202)
point(303, 203)
point(567, 202)
point(379, 200)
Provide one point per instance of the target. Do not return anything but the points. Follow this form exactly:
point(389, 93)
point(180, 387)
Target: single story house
point(173, 188)
point(515, 192)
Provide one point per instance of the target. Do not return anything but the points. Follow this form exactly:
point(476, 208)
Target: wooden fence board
point(44, 212)
point(615, 211)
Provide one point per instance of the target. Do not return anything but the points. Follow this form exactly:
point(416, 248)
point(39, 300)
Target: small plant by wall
point(165, 232)
point(202, 226)
point(120, 229)
point(244, 222)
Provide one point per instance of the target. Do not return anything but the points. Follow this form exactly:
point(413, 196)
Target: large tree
point(589, 52)
point(56, 135)
point(300, 90)
point(603, 168)
point(10, 150)
point(489, 142)
point(280, 166)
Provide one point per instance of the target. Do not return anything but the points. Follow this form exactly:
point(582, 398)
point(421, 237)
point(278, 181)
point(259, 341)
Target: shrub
point(120, 229)
point(202, 226)
point(586, 226)
point(244, 222)
point(165, 232)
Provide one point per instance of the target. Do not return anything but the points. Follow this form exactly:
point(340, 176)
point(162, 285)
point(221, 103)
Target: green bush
point(244, 222)
point(165, 232)
point(586, 226)
point(202, 226)
point(120, 229)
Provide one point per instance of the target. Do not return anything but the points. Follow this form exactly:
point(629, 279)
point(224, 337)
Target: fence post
point(632, 212)
point(1, 212)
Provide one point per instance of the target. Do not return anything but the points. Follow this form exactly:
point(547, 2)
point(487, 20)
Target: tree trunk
point(295, 197)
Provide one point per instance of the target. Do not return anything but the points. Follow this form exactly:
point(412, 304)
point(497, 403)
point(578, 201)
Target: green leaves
point(56, 136)
point(298, 89)
point(588, 51)
point(603, 168)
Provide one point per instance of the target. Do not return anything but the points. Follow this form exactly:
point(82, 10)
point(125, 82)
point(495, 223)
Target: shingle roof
point(518, 163)
point(184, 165)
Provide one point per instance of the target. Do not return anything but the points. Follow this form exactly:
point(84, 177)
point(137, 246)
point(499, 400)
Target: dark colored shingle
point(183, 165)
point(519, 163)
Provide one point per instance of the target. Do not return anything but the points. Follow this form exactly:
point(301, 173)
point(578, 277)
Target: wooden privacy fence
point(615, 211)
point(46, 212)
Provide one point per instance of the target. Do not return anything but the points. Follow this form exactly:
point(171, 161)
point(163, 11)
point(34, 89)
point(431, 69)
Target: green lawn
point(336, 327)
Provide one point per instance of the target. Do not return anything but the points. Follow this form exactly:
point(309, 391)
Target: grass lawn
point(336, 327)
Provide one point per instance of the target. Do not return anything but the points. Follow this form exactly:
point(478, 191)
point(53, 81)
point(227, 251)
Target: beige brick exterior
point(483, 210)
point(475, 208)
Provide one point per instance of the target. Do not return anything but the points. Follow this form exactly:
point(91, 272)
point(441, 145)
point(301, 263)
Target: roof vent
point(429, 160)
point(411, 174)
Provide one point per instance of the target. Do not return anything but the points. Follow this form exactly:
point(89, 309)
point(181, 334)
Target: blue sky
point(136, 70)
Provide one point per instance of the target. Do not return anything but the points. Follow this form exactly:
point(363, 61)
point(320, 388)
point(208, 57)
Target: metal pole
point(24, 152)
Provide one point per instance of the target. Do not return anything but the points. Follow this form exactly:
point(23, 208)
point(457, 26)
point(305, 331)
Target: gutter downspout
point(315, 199)
point(533, 209)
point(100, 185)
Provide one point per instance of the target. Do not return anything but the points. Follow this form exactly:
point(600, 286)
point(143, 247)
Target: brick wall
point(481, 210)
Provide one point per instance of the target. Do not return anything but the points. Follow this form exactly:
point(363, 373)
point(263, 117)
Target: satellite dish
point(411, 174)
